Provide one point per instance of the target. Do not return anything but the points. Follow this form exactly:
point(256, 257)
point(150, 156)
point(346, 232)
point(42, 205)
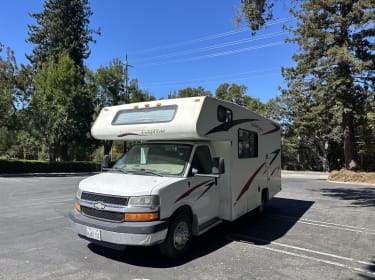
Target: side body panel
point(245, 177)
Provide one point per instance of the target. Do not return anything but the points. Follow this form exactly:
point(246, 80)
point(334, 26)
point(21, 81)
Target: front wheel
point(178, 238)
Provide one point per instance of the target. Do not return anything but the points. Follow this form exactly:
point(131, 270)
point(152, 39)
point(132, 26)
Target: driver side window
point(202, 161)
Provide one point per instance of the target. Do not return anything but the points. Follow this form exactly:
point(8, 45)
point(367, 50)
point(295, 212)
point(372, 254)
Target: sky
point(173, 45)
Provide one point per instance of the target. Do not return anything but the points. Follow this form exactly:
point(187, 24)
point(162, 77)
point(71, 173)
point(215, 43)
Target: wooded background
point(327, 110)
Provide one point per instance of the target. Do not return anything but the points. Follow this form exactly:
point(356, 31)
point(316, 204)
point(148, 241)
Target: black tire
point(179, 236)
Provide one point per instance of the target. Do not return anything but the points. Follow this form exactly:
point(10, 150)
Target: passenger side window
point(247, 144)
point(202, 161)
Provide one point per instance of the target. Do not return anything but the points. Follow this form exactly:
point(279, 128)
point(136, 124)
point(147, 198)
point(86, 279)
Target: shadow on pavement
point(371, 269)
point(359, 196)
point(259, 230)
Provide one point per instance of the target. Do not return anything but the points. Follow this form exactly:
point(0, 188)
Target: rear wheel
point(178, 238)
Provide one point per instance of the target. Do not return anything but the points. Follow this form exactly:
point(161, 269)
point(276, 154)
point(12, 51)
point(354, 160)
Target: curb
point(351, 183)
point(65, 174)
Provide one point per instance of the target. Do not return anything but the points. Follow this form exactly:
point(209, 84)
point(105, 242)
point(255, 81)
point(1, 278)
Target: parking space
point(312, 230)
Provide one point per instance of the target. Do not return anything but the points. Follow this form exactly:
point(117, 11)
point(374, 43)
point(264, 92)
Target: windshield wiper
point(145, 171)
point(115, 169)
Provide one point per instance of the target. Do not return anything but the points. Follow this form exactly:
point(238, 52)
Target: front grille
point(102, 214)
point(117, 200)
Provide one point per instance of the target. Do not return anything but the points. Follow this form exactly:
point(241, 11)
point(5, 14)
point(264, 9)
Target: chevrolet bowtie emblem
point(99, 206)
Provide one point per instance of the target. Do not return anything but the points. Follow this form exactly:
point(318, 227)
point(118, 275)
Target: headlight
point(144, 201)
point(78, 193)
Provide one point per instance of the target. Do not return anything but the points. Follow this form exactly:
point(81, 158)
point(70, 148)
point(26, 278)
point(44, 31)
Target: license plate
point(93, 233)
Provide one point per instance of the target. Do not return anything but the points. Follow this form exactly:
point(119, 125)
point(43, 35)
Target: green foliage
point(138, 95)
point(190, 92)
point(62, 27)
point(238, 94)
point(54, 106)
point(256, 13)
point(8, 72)
point(329, 88)
point(62, 102)
point(32, 166)
point(233, 93)
point(15, 90)
point(110, 84)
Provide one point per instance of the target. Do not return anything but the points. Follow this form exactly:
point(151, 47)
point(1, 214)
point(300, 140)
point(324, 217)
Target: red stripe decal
point(248, 183)
point(206, 190)
point(275, 170)
point(128, 134)
point(187, 193)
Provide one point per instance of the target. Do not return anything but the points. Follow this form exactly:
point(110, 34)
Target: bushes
point(32, 166)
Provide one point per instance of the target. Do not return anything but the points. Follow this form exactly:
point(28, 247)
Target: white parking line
point(247, 240)
point(359, 228)
point(32, 249)
point(306, 250)
point(326, 225)
point(313, 259)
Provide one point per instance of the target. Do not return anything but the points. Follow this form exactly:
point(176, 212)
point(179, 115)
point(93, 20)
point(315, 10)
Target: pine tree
point(62, 34)
point(335, 64)
point(62, 27)
point(333, 80)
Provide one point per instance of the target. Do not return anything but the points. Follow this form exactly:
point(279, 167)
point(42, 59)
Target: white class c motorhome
point(197, 161)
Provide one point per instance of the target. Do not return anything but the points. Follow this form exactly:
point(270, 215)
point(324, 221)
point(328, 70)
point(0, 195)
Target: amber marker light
point(106, 109)
point(77, 206)
point(197, 100)
point(142, 216)
point(158, 104)
point(135, 107)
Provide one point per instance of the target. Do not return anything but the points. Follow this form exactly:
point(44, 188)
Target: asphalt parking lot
point(313, 229)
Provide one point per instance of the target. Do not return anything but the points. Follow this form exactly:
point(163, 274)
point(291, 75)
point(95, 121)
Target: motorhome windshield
point(156, 159)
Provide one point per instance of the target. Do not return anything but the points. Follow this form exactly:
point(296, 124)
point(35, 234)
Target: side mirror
point(105, 162)
point(194, 171)
point(218, 166)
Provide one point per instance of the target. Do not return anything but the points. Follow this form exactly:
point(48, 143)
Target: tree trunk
point(107, 146)
point(350, 152)
point(63, 152)
point(52, 152)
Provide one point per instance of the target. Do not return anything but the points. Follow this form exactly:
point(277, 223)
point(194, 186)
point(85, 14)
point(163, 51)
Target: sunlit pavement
point(313, 229)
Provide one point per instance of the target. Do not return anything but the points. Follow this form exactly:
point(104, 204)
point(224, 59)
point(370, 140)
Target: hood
point(120, 184)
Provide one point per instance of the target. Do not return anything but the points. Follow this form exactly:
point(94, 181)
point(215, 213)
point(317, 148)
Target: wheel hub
point(181, 235)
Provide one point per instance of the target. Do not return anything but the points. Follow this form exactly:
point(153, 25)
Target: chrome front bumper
point(126, 233)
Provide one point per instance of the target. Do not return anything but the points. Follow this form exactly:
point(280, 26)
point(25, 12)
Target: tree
point(110, 89)
point(53, 101)
point(109, 83)
point(62, 33)
point(138, 95)
point(190, 92)
point(233, 93)
point(62, 27)
point(238, 94)
point(256, 13)
point(15, 94)
point(335, 62)
point(8, 73)
point(334, 66)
